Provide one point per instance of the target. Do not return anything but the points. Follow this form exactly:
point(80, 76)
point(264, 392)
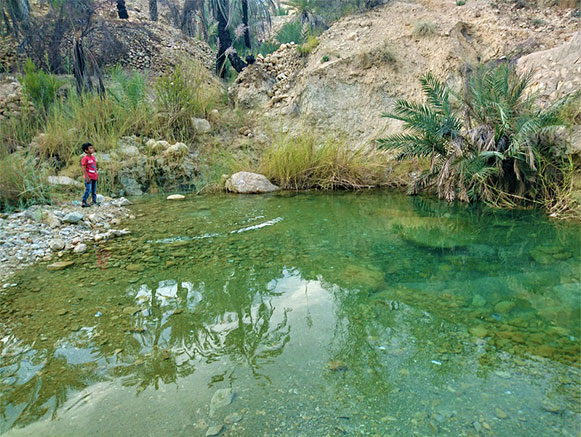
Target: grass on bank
point(67, 120)
point(307, 161)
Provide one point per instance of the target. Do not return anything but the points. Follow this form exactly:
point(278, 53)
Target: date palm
point(13, 15)
point(225, 11)
point(501, 150)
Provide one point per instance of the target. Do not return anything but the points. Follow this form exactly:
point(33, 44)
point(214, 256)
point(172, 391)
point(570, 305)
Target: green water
point(340, 314)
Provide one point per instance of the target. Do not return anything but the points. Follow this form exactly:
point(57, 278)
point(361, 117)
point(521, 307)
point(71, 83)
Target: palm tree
point(153, 16)
point(14, 14)
point(122, 10)
point(499, 151)
point(224, 12)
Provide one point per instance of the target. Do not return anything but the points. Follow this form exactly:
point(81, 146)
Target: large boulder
point(63, 180)
point(177, 150)
point(201, 125)
point(73, 217)
point(249, 183)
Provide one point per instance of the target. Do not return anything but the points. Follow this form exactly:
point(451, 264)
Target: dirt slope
point(365, 62)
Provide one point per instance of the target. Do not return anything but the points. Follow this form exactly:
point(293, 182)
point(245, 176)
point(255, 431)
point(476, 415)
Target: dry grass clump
point(21, 182)
point(304, 162)
point(425, 28)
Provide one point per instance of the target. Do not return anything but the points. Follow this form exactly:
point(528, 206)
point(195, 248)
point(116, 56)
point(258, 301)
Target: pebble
point(500, 413)
point(80, 248)
point(214, 430)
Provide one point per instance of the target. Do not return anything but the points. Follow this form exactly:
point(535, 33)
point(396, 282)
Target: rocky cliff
point(365, 62)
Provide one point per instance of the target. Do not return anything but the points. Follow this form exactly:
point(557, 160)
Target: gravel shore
point(42, 233)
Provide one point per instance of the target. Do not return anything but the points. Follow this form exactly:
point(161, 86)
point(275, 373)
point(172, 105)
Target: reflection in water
point(327, 314)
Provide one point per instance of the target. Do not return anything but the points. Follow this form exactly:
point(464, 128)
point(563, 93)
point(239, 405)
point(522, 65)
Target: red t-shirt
point(90, 164)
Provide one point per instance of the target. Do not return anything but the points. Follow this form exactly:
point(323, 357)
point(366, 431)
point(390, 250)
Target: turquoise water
point(307, 314)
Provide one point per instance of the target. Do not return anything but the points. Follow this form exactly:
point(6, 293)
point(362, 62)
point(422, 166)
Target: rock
point(60, 265)
point(551, 407)
point(177, 150)
point(479, 331)
point(122, 201)
point(222, 398)
point(157, 147)
point(201, 125)
point(363, 276)
point(34, 213)
point(233, 418)
point(176, 197)
point(102, 157)
point(73, 217)
point(478, 301)
point(57, 245)
point(244, 130)
point(80, 248)
point(130, 186)
point(63, 180)
point(337, 366)
point(504, 307)
point(99, 237)
point(129, 151)
point(247, 183)
point(131, 310)
point(214, 430)
point(51, 220)
point(500, 413)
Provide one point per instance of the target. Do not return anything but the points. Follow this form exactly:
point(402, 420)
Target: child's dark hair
point(86, 146)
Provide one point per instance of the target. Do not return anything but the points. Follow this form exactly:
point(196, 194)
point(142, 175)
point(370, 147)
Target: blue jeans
point(90, 188)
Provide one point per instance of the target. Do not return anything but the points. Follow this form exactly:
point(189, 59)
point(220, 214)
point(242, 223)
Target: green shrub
point(189, 91)
point(101, 121)
point(128, 89)
point(498, 147)
point(267, 47)
point(460, 2)
point(291, 32)
point(305, 162)
point(308, 46)
point(425, 28)
point(17, 132)
point(325, 58)
point(22, 183)
point(40, 87)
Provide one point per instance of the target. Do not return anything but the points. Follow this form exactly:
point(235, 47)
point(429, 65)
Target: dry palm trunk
point(153, 16)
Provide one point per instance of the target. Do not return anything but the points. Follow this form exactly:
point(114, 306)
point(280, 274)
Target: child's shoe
point(85, 205)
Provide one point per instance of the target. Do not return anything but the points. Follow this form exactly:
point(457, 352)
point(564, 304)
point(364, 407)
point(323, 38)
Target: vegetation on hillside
point(494, 144)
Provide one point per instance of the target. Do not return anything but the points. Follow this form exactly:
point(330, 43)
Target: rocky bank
point(44, 233)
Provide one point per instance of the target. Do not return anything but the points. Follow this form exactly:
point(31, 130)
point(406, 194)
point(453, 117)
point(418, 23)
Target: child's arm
point(85, 173)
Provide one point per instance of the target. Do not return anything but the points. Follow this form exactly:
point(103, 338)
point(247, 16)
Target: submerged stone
point(504, 307)
point(221, 398)
point(214, 430)
point(60, 265)
point(479, 331)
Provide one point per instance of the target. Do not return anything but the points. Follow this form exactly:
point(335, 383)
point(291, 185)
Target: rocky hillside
point(365, 62)
point(135, 43)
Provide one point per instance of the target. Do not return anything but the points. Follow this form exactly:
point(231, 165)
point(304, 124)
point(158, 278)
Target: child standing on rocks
point(89, 165)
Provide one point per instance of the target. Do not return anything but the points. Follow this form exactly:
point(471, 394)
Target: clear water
point(323, 314)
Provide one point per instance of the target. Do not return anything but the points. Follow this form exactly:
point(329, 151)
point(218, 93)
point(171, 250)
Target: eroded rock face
point(362, 65)
point(557, 70)
point(249, 183)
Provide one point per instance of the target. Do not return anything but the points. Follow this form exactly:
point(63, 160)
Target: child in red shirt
point(89, 165)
